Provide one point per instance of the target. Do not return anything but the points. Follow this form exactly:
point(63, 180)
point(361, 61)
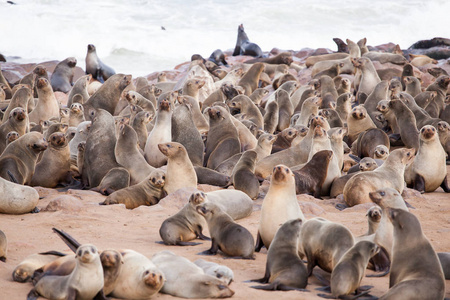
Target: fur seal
point(25, 269)
point(407, 124)
point(54, 167)
point(444, 258)
point(95, 66)
point(62, 77)
point(17, 121)
point(223, 273)
point(223, 141)
point(185, 279)
point(243, 175)
point(81, 88)
point(147, 192)
point(428, 170)
point(18, 160)
point(284, 268)
point(161, 133)
point(117, 178)
point(85, 281)
point(373, 219)
point(390, 174)
point(139, 124)
point(244, 46)
point(415, 270)
point(366, 143)
point(251, 78)
point(271, 117)
point(369, 75)
point(285, 138)
point(3, 246)
point(139, 278)
point(47, 106)
point(247, 107)
point(76, 114)
point(11, 137)
point(279, 206)
point(358, 121)
point(180, 171)
point(226, 235)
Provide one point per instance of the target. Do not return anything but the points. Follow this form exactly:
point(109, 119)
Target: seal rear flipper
point(323, 280)
point(100, 296)
point(419, 183)
point(70, 241)
point(53, 252)
point(12, 177)
point(32, 295)
point(341, 206)
point(357, 296)
point(381, 263)
point(259, 242)
point(444, 185)
point(355, 158)
point(326, 296)
point(275, 286)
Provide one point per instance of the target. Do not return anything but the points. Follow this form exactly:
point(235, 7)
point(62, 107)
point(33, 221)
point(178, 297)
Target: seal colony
point(199, 129)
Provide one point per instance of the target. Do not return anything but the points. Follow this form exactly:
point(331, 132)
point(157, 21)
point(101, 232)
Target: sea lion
point(226, 235)
point(284, 268)
point(369, 75)
point(310, 107)
point(349, 271)
point(365, 164)
point(332, 117)
point(127, 154)
point(279, 206)
point(415, 270)
point(310, 178)
point(386, 57)
point(99, 158)
point(147, 192)
point(244, 46)
point(366, 143)
point(17, 122)
point(243, 175)
point(54, 167)
point(180, 171)
point(185, 279)
point(139, 124)
point(324, 243)
point(18, 160)
point(251, 78)
point(85, 282)
point(139, 277)
point(223, 273)
point(390, 174)
point(80, 136)
point(161, 133)
point(428, 169)
point(223, 141)
point(95, 66)
point(218, 57)
point(271, 117)
point(47, 106)
point(413, 85)
point(62, 77)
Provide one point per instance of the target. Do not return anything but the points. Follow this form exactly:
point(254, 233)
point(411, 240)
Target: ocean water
point(129, 37)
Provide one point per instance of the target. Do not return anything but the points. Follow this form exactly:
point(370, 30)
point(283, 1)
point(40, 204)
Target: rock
point(178, 199)
point(65, 203)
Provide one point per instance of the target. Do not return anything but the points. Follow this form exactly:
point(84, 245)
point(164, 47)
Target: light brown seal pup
point(226, 235)
point(62, 76)
point(76, 115)
point(25, 269)
point(284, 268)
point(243, 175)
point(251, 78)
point(47, 106)
point(85, 282)
point(428, 170)
point(390, 174)
point(358, 121)
point(81, 88)
point(21, 98)
point(415, 270)
point(147, 192)
point(222, 272)
point(366, 143)
point(17, 121)
point(279, 206)
point(185, 279)
point(18, 160)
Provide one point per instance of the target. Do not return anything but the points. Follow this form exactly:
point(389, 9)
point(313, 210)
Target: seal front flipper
point(201, 235)
point(70, 241)
point(32, 295)
point(213, 250)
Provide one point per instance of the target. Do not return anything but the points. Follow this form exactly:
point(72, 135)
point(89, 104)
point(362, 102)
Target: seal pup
point(62, 77)
point(279, 206)
point(284, 268)
point(147, 192)
point(226, 235)
point(243, 175)
point(17, 122)
point(324, 243)
point(185, 279)
point(81, 88)
point(428, 169)
point(247, 107)
point(407, 124)
point(25, 269)
point(47, 106)
point(222, 272)
point(18, 160)
point(390, 174)
point(368, 141)
point(180, 171)
point(21, 98)
point(95, 66)
point(244, 46)
point(85, 281)
point(249, 81)
point(358, 121)
point(373, 219)
point(161, 133)
point(415, 270)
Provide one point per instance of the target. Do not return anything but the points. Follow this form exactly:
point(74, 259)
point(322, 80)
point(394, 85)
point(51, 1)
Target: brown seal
point(244, 46)
point(390, 174)
point(147, 192)
point(117, 178)
point(284, 138)
point(95, 66)
point(271, 117)
point(415, 270)
point(367, 141)
point(407, 124)
point(279, 205)
point(26, 268)
point(76, 114)
point(180, 171)
point(11, 137)
point(185, 279)
point(247, 107)
point(47, 106)
point(251, 78)
point(284, 268)
point(428, 170)
point(85, 282)
point(80, 87)
point(243, 175)
point(226, 235)
point(281, 58)
point(18, 160)
point(62, 76)
point(3, 246)
point(17, 121)
point(358, 121)
point(324, 243)
point(444, 258)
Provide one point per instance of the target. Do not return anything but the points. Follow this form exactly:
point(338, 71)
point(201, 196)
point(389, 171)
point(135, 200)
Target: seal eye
point(432, 129)
point(164, 177)
point(153, 180)
point(382, 193)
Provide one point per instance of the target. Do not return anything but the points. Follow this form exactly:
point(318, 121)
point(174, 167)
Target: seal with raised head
point(415, 270)
point(17, 122)
point(95, 66)
point(244, 46)
point(243, 175)
point(231, 238)
point(249, 82)
point(47, 106)
point(62, 76)
point(284, 268)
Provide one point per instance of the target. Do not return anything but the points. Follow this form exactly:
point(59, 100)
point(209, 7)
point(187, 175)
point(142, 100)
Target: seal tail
point(70, 241)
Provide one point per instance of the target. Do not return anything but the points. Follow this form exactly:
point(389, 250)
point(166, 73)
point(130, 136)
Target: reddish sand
point(79, 214)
